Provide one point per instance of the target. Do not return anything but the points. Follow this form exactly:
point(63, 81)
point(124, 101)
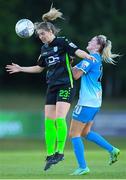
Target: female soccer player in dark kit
point(55, 56)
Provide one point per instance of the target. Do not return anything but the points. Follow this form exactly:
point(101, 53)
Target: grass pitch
point(28, 163)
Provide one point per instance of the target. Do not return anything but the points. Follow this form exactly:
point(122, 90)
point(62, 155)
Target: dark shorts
point(60, 93)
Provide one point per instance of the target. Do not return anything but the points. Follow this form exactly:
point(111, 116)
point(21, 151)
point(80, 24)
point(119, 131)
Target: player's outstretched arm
point(82, 54)
point(15, 68)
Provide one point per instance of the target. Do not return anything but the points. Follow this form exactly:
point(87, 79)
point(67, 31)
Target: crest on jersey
point(85, 64)
point(55, 49)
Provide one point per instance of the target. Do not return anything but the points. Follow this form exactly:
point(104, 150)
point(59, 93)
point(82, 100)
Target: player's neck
point(94, 52)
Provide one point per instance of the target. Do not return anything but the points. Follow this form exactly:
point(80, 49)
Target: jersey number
point(78, 109)
point(101, 73)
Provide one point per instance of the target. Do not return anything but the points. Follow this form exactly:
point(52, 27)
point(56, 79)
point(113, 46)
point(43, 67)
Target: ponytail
point(106, 46)
point(52, 15)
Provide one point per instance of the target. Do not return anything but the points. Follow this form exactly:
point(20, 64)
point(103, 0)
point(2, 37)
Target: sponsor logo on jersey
point(85, 64)
point(44, 53)
point(53, 60)
point(72, 45)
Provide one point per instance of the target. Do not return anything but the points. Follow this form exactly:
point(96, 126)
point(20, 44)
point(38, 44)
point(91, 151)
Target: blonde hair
point(51, 15)
point(105, 50)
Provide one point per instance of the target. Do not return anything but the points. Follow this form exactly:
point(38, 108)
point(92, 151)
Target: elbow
point(75, 73)
point(40, 71)
point(76, 77)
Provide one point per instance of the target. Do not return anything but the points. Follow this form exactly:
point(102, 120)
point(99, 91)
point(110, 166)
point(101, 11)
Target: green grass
point(29, 164)
point(27, 160)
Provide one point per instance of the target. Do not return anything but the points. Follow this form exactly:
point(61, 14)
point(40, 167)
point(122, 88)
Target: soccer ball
point(24, 28)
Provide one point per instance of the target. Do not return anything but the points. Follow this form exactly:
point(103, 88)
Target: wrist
point(21, 69)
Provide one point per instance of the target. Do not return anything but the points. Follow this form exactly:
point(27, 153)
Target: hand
point(13, 68)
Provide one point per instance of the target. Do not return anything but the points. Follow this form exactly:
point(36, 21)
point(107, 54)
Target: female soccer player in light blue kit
point(89, 102)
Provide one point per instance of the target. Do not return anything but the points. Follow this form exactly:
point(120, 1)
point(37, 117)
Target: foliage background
point(83, 20)
point(25, 93)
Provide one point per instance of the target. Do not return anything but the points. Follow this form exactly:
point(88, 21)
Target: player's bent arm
point(77, 73)
point(82, 54)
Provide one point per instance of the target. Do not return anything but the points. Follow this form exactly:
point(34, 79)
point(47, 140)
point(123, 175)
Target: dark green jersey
point(56, 58)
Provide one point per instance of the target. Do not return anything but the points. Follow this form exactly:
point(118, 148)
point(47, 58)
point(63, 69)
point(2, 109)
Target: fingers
point(12, 68)
point(11, 65)
point(14, 64)
point(92, 58)
point(8, 66)
point(10, 71)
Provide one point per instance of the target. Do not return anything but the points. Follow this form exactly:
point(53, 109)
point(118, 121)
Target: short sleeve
point(70, 47)
point(85, 65)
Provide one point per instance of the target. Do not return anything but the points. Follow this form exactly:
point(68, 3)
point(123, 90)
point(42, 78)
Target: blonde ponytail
point(52, 15)
point(46, 24)
point(106, 46)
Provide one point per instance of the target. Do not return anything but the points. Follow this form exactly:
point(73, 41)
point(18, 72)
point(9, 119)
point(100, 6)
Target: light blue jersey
point(91, 90)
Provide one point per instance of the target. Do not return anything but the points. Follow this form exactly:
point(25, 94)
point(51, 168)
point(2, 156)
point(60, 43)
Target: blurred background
point(22, 95)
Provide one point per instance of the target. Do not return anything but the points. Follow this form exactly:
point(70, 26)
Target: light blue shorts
point(84, 114)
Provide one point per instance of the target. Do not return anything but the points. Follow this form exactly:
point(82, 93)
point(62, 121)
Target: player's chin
point(88, 48)
point(44, 41)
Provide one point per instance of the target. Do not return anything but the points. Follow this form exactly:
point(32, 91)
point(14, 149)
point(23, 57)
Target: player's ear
point(51, 31)
point(98, 47)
